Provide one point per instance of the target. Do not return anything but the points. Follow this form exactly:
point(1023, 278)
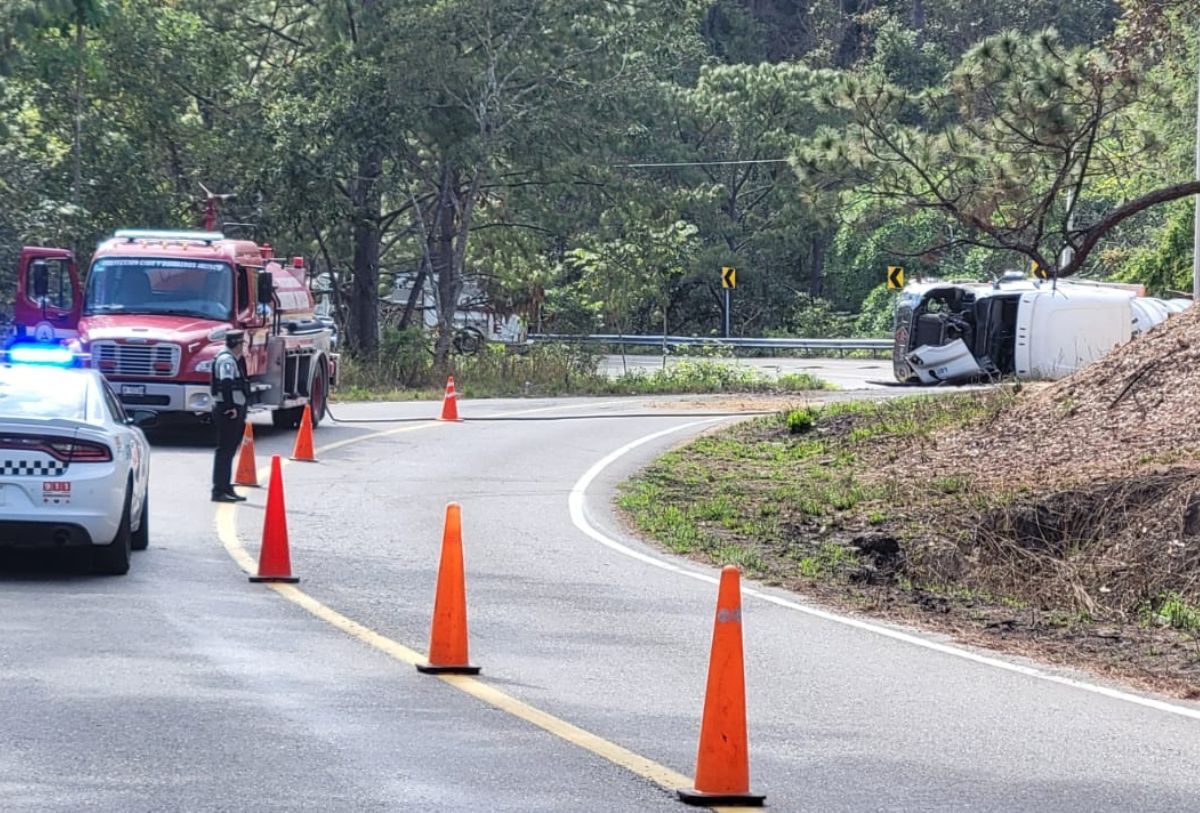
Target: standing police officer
point(231, 395)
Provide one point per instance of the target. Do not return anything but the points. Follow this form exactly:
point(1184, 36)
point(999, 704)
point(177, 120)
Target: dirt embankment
point(1061, 521)
point(1139, 405)
point(1081, 498)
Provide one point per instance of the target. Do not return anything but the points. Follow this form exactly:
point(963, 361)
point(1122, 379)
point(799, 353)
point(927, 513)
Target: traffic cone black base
point(283, 579)
point(695, 797)
point(433, 669)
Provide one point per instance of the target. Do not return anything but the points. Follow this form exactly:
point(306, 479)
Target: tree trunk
point(448, 253)
point(423, 273)
point(410, 307)
point(441, 254)
point(816, 266)
point(850, 37)
point(77, 147)
point(368, 206)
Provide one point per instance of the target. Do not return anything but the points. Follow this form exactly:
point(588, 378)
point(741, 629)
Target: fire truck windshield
point(160, 285)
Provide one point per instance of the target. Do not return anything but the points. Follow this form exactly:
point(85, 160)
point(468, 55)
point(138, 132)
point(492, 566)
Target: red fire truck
point(155, 310)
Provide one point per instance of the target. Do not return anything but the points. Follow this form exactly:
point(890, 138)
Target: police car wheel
point(113, 559)
point(141, 537)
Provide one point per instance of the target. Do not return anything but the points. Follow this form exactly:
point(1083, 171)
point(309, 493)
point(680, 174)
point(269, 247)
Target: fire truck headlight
point(199, 401)
point(204, 366)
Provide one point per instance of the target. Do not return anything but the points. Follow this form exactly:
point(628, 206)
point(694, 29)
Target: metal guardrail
point(839, 346)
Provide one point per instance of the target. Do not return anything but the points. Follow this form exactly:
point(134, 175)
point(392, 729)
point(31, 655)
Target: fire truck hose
point(497, 419)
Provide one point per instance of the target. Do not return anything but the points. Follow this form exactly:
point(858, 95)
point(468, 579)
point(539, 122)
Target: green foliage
point(1165, 267)
point(702, 375)
point(1025, 134)
point(871, 239)
point(800, 421)
point(814, 317)
point(877, 314)
point(1171, 610)
point(903, 59)
point(494, 144)
point(405, 368)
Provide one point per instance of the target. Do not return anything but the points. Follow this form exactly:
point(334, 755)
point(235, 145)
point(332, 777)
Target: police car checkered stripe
point(32, 468)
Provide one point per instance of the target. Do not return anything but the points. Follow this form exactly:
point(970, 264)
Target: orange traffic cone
point(448, 636)
point(723, 762)
point(274, 563)
point(450, 403)
point(304, 444)
point(247, 473)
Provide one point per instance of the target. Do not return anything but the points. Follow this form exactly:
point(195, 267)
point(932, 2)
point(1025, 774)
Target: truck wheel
point(113, 559)
point(318, 398)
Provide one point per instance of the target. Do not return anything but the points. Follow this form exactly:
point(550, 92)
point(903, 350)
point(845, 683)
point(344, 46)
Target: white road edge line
point(577, 504)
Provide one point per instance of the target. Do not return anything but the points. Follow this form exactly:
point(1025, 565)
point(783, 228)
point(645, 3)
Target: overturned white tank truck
point(956, 332)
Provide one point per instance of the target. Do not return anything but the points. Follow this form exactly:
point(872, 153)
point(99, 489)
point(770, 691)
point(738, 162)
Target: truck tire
point(318, 397)
point(113, 559)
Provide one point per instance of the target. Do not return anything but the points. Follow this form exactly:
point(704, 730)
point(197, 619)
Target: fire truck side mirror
point(266, 287)
point(41, 279)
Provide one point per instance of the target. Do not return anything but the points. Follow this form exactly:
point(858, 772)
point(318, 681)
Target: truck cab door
point(49, 297)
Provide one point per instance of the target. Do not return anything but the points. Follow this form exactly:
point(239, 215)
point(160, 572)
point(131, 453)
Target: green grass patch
point(708, 376)
point(793, 488)
point(404, 371)
point(800, 421)
point(1169, 609)
point(829, 561)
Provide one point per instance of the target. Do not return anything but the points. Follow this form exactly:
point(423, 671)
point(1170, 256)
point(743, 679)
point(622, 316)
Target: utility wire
point(703, 163)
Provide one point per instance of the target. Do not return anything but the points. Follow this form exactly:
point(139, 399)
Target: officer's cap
point(234, 338)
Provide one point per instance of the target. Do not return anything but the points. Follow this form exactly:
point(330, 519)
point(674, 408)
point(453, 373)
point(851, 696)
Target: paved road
point(849, 374)
point(184, 687)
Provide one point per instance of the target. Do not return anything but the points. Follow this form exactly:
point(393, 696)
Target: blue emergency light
point(51, 355)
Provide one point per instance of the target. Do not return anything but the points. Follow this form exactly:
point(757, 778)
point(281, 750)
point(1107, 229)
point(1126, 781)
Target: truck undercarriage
point(939, 318)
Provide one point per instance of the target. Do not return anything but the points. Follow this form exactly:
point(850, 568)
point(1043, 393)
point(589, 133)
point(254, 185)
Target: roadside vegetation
point(590, 167)
point(408, 372)
point(863, 506)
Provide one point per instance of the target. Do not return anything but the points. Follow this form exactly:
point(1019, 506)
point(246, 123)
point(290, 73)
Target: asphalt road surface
point(184, 687)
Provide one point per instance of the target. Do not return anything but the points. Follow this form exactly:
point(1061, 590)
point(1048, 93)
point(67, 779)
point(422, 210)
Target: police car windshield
point(42, 392)
point(161, 285)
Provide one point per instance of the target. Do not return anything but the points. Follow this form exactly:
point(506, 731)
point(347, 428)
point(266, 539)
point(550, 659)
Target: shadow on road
point(21, 565)
point(194, 435)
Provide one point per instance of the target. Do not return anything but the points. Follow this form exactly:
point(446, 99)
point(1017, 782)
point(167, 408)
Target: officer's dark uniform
point(231, 395)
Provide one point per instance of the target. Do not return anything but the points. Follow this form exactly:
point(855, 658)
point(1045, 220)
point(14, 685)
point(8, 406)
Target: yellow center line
point(226, 524)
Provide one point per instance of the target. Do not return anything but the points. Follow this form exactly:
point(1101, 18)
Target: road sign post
point(728, 283)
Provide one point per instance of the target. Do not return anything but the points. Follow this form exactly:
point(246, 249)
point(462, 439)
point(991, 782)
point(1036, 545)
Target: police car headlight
point(204, 366)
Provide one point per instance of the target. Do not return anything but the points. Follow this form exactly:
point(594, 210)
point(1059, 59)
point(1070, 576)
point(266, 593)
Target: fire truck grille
point(142, 360)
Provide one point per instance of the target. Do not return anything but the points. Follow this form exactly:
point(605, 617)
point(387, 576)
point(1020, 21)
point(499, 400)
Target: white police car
point(74, 468)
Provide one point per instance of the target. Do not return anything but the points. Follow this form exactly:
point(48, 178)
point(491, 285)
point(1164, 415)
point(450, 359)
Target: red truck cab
point(154, 311)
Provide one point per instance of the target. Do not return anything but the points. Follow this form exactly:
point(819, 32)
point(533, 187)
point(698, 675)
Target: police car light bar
point(168, 236)
point(51, 355)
